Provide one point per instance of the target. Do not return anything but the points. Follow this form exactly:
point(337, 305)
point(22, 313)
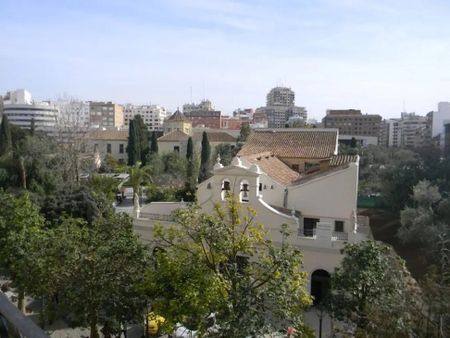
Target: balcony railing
point(339, 236)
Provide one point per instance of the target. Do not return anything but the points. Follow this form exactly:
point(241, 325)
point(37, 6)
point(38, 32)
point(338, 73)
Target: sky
point(380, 56)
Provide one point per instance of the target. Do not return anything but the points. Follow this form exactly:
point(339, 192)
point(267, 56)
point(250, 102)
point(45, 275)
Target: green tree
point(77, 202)
point(190, 150)
point(205, 159)
point(244, 132)
point(139, 176)
point(373, 290)
point(226, 152)
point(133, 148)
point(353, 143)
point(5, 136)
point(18, 220)
point(154, 144)
point(143, 137)
point(224, 263)
point(95, 271)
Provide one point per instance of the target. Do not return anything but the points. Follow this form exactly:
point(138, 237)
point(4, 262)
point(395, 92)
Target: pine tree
point(154, 144)
point(204, 159)
point(5, 136)
point(190, 149)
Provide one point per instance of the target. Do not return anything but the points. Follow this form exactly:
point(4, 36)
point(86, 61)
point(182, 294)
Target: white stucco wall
point(331, 195)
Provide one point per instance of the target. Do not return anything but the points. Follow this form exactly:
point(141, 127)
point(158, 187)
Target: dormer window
point(244, 193)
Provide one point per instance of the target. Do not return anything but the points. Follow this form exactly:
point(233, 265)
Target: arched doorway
point(320, 284)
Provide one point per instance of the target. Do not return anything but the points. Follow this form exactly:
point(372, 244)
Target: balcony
point(339, 236)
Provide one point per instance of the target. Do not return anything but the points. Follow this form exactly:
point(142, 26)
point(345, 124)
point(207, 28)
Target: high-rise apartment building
point(280, 106)
point(204, 105)
point(23, 111)
point(353, 122)
point(105, 114)
point(153, 115)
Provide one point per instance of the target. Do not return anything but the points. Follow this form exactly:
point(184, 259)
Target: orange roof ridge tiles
point(339, 160)
point(214, 136)
point(273, 167)
point(296, 143)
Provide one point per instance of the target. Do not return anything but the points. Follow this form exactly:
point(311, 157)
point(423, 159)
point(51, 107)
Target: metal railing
point(339, 236)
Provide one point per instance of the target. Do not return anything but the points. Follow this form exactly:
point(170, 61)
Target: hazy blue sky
point(371, 55)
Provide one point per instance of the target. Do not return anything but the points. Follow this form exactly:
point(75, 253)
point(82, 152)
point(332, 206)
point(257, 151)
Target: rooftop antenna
point(203, 90)
point(191, 93)
point(404, 106)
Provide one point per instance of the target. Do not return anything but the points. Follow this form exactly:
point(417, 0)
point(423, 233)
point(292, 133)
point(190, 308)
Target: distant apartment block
point(153, 115)
point(353, 122)
point(73, 113)
point(203, 114)
point(105, 114)
point(410, 130)
point(280, 106)
point(23, 111)
point(440, 119)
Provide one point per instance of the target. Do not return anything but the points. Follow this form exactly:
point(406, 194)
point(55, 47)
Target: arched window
point(226, 187)
point(244, 192)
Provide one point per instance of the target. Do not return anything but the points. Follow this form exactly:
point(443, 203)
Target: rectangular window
point(176, 149)
point(121, 148)
point(309, 226)
point(108, 148)
point(295, 167)
point(339, 226)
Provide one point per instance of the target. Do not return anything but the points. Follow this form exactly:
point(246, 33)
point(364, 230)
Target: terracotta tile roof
point(214, 137)
point(303, 143)
point(273, 167)
point(121, 135)
point(339, 160)
point(174, 136)
point(178, 116)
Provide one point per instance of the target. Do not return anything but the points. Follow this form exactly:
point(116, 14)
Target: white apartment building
point(73, 113)
point(408, 131)
point(22, 111)
point(441, 117)
point(153, 115)
point(204, 105)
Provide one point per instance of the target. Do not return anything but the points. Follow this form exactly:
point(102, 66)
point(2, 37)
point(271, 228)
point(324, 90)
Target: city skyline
point(375, 56)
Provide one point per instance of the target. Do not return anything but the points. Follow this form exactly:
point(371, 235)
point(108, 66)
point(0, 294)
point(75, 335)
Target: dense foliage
point(224, 263)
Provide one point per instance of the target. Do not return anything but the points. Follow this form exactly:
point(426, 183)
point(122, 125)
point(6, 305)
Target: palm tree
point(139, 175)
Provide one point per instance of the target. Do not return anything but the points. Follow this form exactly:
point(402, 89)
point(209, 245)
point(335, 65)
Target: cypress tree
point(142, 137)
point(32, 127)
point(204, 158)
point(190, 149)
point(5, 136)
point(133, 149)
point(154, 144)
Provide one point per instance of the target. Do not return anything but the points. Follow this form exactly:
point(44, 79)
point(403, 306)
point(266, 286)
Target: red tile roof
point(304, 143)
point(174, 136)
point(214, 137)
point(273, 167)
